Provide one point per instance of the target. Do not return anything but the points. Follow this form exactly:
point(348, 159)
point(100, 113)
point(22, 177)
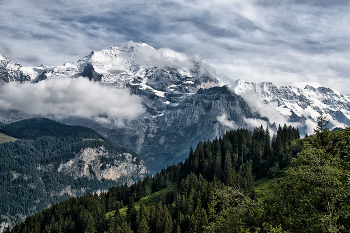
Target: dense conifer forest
point(213, 190)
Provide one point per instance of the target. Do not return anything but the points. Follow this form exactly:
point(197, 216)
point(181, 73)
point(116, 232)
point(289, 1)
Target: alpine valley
point(185, 100)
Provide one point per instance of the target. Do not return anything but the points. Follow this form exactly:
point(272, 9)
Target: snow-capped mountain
point(182, 99)
point(301, 106)
point(12, 71)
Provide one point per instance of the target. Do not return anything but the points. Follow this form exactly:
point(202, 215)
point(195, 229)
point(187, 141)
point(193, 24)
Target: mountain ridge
point(300, 105)
point(168, 83)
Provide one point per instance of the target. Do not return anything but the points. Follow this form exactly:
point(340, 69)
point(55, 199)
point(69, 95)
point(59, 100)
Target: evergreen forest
point(240, 182)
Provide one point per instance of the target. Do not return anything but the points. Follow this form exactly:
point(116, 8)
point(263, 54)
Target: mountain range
point(184, 100)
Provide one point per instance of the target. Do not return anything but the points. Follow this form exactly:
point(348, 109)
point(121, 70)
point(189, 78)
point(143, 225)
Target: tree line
point(194, 195)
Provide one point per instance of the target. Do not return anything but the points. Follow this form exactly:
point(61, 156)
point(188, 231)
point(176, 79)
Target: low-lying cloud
point(65, 97)
point(265, 110)
point(254, 122)
point(144, 54)
point(223, 119)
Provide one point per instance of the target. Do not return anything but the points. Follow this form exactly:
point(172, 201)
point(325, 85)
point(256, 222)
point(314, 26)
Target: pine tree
point(228, 170)
point(267, 144)
point(323, 137)
point(131, 212)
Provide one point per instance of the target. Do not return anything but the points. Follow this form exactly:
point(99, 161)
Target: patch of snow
point(31, 71)
point(185, 72)
point(284, 111)
point(159, 93)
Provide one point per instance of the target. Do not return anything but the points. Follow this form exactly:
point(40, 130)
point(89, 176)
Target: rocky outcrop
point(98, 163)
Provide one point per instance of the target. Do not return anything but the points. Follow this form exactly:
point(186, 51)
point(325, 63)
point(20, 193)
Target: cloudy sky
point(288, 42)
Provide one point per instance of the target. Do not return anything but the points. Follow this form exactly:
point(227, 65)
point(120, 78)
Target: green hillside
point(5, 138)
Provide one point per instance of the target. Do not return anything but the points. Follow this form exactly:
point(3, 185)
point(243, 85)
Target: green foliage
point(264, 186)
point(237, 212)
point(273, 171)
point(323, 139)
point(314, 195)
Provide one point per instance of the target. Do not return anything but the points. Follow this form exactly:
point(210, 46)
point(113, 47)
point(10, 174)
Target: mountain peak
point(131, 46)
point(311, 88)
point(2, 57)
point(131, 57)
point(241, 86)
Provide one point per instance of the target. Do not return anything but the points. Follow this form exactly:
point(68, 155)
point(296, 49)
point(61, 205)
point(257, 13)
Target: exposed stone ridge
point(89, 163)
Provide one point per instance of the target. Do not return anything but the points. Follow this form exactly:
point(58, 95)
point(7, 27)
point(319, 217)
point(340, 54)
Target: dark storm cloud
point(258, 40)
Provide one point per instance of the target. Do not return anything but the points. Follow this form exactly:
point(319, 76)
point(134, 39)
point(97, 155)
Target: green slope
point(264, 185)
point(151, 200)
point(5, 138)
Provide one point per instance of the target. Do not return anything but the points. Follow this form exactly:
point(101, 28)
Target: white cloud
point(270, 111)
point(144, 54)
point(68, 97)
point(223, 119)
point(265, 110)
point(310, 126)
point(253, 122)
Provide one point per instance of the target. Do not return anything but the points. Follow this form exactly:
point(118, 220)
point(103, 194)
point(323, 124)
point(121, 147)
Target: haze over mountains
point(158, 102)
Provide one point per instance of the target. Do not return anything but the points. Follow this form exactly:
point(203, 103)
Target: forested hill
point(39, 127)
point(50, 162)
point(213, 190)
point(35, 128)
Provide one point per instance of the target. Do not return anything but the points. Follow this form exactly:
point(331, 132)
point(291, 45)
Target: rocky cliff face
point(170, 127)
point(98, 163)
